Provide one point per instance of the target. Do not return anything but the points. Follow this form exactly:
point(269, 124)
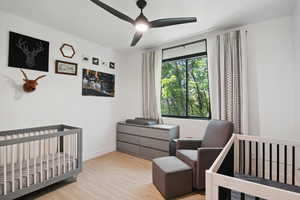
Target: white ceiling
point(84, 19)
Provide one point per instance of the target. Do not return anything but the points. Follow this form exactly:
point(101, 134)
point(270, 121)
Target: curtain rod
point(182, 45)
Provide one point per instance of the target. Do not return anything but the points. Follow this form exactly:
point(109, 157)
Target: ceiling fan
point(141, 23)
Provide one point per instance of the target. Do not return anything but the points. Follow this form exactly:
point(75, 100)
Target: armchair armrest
point(209, 155)
point(206, 157)
point(188, 143)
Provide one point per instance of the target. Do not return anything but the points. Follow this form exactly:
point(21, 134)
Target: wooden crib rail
point(38, 137)
point(30, 130)
point(59, 127)
point(256, 161)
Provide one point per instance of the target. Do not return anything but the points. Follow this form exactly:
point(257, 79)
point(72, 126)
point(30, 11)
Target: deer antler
point(25, 76)
point(39, 48)
point(23, 46)
point(38, 78)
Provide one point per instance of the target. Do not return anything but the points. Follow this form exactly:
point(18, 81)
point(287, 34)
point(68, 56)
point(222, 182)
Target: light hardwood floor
point(114, 176)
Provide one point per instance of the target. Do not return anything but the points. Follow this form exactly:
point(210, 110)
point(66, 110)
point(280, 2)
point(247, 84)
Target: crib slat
point(13, 168)
point(256, 159)
point(285, 164)
point(4, 168)
point(270, 149)
point(76, 150)
point(28, 159)
point(21, 165)
point(34, 160)
point(64, 155)
point(69, 153)
point(293, 165)
point(58, 156)
point(278, 162)
point(51, 153)
point(41, 160)
point(74, 153)
point(47, 155)
point(244, 157)
point(250, 158)
point(263, 160)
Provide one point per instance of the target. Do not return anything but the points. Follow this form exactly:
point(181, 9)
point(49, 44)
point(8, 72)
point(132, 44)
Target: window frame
point(186, 58)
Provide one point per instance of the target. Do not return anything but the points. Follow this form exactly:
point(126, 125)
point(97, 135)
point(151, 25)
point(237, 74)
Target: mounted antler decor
point(30, 85)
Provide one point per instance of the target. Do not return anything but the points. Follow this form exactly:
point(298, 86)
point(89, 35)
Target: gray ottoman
point(171, 176)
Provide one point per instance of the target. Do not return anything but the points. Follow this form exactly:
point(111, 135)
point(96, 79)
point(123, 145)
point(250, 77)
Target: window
point(185, 86)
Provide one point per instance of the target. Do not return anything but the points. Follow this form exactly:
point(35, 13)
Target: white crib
point(31, 159)
point(255, 168)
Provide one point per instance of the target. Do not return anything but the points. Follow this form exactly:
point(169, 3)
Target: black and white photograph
point(28, 53)
point(63, 67)
point(95, 61)
point(112, 65)
point(97, 83)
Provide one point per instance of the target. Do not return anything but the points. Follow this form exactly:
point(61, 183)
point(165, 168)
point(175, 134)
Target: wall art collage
point(28, 53)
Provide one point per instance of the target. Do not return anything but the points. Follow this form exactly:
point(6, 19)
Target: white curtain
point(149, 84)
point(230, 92)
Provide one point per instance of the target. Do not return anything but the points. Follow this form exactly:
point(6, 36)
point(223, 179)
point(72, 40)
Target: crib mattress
point(237, 195)
point(54, 166)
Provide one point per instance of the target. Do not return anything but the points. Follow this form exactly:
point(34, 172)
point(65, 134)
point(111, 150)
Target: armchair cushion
point(188, 143)
point(218, 133)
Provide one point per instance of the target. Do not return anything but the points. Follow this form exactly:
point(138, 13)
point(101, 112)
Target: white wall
point(58, 97)
point(272, 79)
point(296, 37)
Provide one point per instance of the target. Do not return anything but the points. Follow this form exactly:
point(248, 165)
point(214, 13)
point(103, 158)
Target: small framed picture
point(63, 67)
point(104, 63)
point(112, 65)
point(95, 61)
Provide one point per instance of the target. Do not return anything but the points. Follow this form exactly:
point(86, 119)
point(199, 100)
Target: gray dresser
point(147, 142)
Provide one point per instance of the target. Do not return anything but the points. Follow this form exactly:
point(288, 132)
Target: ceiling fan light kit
point(141, 23)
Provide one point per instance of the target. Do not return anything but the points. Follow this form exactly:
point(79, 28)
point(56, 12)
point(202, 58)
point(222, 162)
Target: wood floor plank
point(114, 176)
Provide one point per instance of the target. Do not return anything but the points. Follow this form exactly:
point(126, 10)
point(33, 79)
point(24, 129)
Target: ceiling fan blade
point(172, 21)
point(113, 11)
point(136, 38)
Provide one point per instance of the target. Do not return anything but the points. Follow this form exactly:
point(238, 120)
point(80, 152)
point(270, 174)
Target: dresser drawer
point(150, 154)
point(146, 132)
point(154, 143)
point(128, 148)
point(133, 139)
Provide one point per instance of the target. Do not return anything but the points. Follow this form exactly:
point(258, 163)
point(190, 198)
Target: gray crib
point(31, 159)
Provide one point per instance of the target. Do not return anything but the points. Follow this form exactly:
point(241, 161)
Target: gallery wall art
point(95, 61)
point(63, 67)
point(112, 65)
point(28, 53)
point(97, 83)
point(67, 50)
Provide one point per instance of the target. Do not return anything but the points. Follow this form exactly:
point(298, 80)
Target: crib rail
point(255, 161)
point(33, 158)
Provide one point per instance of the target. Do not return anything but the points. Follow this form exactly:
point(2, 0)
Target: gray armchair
point(200, 154)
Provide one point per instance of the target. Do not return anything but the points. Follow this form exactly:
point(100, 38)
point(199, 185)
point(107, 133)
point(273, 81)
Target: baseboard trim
point(92, 155)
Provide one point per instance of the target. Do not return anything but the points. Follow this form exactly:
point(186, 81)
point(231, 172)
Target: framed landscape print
point(63, 67)
point(97, 83)
point(28, 53)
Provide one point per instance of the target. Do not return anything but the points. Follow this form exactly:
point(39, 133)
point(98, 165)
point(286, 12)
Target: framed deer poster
point(28, 53)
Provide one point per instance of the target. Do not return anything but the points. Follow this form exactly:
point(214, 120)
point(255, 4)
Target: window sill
point(186, 118)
